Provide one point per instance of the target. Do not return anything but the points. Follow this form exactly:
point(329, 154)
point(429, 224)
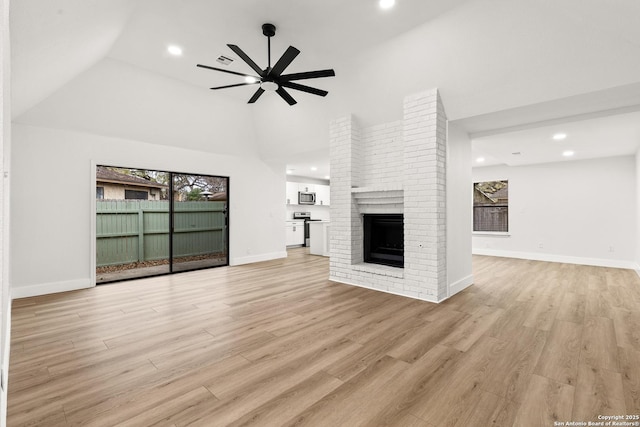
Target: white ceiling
point(616, 135)
point(101, 66)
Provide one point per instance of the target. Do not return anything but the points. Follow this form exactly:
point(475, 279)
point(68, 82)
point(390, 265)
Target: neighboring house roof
point(104, 174)
point(493, 191)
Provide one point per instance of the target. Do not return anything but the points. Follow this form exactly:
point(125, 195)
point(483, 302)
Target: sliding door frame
point(93, 233)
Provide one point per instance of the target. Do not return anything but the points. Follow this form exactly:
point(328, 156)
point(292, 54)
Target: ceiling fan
point(271, 78)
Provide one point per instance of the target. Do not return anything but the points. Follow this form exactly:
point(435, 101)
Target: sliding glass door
point(199, 221)
point(154, 222)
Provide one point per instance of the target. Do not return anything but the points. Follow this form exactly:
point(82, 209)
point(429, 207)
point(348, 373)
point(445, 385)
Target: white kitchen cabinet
point(319, 237)
point(323, 195)
point(306, 188)
point(292, 193)
point(294, 233)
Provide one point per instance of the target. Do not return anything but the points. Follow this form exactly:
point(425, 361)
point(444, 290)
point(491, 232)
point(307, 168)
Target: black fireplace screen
point(384, 239)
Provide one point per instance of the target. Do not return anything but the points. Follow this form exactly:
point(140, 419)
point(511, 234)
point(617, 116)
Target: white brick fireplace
point(393, 168)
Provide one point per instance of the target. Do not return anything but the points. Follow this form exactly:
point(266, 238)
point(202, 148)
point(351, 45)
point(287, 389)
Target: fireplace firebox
point(384, 239)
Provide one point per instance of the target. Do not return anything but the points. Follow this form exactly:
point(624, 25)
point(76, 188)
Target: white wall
point(5, 159)
point(117, 99)
point(52, 236)
point(459, 208)
point(574, 211)
point(637, 259)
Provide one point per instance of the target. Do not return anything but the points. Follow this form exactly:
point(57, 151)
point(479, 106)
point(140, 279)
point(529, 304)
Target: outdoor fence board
point(491, 218)
point(138, 230)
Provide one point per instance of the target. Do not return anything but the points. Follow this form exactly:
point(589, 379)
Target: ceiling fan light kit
point(271, 78)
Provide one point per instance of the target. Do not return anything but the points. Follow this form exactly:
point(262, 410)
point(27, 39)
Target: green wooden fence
point(138, 230)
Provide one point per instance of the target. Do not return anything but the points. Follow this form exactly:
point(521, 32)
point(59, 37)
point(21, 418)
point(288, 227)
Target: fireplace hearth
point(384, 239)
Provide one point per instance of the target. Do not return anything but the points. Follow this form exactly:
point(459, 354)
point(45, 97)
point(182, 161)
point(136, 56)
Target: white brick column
point(424, 134)
point(346, 229)
point(397, 167)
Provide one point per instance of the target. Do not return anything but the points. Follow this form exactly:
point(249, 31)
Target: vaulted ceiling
point(102, 66)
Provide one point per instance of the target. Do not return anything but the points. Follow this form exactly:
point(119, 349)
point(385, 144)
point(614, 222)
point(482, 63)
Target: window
point(100, 193)
point(136, 195)
point(491, 206)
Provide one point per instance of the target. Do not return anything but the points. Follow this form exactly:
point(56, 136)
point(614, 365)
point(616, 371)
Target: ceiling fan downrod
point(269, 30)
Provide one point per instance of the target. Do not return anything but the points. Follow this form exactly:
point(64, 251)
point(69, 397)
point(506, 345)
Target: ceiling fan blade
point(307, 75)
point(256, 95)
point(226, 71)
point(287, 57)
point(304, 88)
point(235, 85)
point(246, 59)
point(285, 95)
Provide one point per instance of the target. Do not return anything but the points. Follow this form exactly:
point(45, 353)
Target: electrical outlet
point(540, 245)
point(611, 249)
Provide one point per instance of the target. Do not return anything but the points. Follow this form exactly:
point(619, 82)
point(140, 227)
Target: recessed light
point(386, 4)
point(327, 177)
point(250, 79)
point(480, 159)
point(313, 168)
point(174, 50)
point(559, 136)
point(289, 171)
point(568, 153)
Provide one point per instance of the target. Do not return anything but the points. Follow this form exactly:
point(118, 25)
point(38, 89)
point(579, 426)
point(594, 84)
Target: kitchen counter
point(319, 237)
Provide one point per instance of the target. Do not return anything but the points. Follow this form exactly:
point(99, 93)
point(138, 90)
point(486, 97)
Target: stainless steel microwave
point(306, 198)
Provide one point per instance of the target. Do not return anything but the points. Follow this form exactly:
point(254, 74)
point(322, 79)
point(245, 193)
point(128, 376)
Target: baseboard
point(637, 269)
point(49, 288)
point(344, 282)
point(257, 258)
point(460, 285)
point(535, 256)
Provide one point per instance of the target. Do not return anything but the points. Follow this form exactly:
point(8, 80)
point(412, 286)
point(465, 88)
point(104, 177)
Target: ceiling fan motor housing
point(269, 30)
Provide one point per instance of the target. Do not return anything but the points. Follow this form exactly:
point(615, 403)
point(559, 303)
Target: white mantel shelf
point(379, 197)
point(377, 189)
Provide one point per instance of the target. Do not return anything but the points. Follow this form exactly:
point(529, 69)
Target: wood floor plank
point(287, 405)
point(572, 307)
point(488, 410)
point(627, 328)
point(116, 401)
point(431, 334)
point(471, 329)
point(599, 348)
point(277, 343)
point(358, 400)
point(508, 325)
point(419, 380)
point(597, 305)
point(630, 370)
point(158, 414)
point(561, 353)
point(543, 312)
point(545, 403)
point(510, 373)
point(598, 392)
point(447, 398)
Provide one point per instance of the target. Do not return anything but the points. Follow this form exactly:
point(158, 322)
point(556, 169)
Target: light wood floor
point(276, 343)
